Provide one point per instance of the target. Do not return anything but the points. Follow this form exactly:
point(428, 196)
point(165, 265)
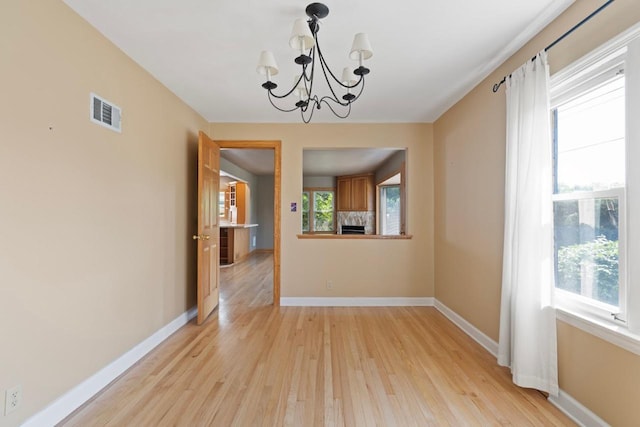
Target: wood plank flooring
point(253, 364)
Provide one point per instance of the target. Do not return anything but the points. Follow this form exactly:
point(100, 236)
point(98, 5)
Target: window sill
point(354, 236)
point(608, 331)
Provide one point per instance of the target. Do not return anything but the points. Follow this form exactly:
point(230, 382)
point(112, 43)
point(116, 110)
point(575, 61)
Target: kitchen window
point(389, 197)
point(318, 210)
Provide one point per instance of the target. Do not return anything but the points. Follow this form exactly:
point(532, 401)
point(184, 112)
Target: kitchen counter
point(234, 242)
point(231, 225)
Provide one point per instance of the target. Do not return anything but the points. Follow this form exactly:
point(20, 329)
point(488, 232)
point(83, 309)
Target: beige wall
point(469, 176)
point(358, 268)
point(95, 251)
point(95, 226)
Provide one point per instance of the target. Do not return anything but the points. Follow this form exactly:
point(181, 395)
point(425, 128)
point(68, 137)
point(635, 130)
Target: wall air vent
point(105, 113)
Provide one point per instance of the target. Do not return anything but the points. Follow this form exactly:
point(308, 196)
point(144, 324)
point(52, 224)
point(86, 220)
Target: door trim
point(276, 146)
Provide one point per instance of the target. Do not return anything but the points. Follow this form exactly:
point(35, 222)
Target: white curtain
point(527, 317)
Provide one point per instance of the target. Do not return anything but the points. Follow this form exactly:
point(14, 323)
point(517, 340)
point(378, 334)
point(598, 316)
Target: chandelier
point(304, 39)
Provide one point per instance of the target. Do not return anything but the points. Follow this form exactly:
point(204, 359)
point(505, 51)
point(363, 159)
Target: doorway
point(276, 147)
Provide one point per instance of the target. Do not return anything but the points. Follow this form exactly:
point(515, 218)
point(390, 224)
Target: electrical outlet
point(329, 284)
point(12, 398)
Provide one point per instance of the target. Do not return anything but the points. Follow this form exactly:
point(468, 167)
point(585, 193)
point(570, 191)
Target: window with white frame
point(589, 109)
point(318, 211)
point(389, 209)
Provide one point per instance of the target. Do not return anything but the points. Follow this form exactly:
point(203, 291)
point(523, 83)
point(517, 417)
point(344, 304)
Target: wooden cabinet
point(240, 243)
point(232, 195)
point(355, 193)
point(343, 196)
point(234, 244)
point(237, 195)
point(226, 246)
point(362, 193)
point(242, 202)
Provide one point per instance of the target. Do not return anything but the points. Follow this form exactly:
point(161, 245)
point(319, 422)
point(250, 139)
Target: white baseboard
point(76, 397)
point(579, 413)
point(490, 345)
point(575, 410)
point(356, 302)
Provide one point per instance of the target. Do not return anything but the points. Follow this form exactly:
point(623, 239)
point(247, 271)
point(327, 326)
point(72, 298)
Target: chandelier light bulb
point(301, 91)
point(361, 48)
point(348, 78)
point(301, 37)
point(267, 65)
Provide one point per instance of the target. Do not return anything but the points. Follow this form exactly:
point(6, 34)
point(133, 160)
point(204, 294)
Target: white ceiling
point(316, 162)
point(427, 53)
point(343, 161)
point(258, 162)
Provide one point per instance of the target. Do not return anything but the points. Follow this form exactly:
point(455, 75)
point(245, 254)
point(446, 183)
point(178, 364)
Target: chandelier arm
point(309, 79)
point(286, 94)
point(276, 107)
point(313, 109)
point(325, 68)
point(313, 103)
point(325, 99)
point(361, 90)
point(335, 97)
point(312, 54)
point(308, 119)
point(356, 84)
point(324, 64)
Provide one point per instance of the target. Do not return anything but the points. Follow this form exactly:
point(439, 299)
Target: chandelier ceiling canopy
point(304, 39)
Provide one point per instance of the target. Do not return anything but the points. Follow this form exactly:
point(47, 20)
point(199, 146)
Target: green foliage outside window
point(305, 211)
point(323, 210)
point(599, 255)
point(318, 205)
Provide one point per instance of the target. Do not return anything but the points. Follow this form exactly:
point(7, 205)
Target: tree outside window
point(589, 180)
point(318, 211)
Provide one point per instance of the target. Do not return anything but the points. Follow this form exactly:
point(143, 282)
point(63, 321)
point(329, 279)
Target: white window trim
point(586, 64)
point(590, 306)
point(607, 330)
point(569, 307)
point(382, 209)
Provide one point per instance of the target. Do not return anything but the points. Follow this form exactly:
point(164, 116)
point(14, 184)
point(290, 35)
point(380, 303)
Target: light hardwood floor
point(255, 364)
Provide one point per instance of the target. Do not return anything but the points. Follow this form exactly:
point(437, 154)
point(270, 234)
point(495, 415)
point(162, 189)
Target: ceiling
point(257, 162)
point(316, 162)
point(427, 53)
point(343, 161)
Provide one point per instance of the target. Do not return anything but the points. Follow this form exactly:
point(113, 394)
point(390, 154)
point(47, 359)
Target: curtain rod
point(559, 39)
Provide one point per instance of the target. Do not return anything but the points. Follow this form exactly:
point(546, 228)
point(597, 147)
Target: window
point(221, 206)
point(589, 110)
point(390, 209)
point(318, 211)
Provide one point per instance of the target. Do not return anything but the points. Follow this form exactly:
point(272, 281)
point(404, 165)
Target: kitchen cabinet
point(242, 202)
point(343, 196)
point(240, 243)
point(237, 196)
point(226, 245)
point(234, 242)
point(355, 193)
